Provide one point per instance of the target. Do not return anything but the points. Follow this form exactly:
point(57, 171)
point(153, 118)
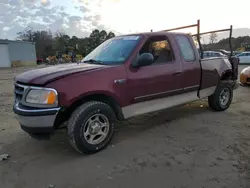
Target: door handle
point(176, 73)
point(120, 81)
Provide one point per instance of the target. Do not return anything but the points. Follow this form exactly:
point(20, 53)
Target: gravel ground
point(185, 147)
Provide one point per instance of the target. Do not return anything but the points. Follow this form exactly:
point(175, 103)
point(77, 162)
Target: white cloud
point(16, 15)
point(6, 28)
point(79, 17)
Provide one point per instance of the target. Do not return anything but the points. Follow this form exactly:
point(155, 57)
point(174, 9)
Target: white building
point(17, 53)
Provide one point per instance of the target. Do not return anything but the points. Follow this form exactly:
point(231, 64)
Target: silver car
point(208, 54)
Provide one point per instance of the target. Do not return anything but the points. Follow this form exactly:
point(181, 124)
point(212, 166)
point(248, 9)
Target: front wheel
point(222, 97)
point(91, 127)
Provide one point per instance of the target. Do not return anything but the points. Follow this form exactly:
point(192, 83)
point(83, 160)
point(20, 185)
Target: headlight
point(42, 96)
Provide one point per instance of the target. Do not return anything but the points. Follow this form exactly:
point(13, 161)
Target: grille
point(19, 91)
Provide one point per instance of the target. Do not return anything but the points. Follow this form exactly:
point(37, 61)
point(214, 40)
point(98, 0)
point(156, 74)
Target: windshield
point(113, 51)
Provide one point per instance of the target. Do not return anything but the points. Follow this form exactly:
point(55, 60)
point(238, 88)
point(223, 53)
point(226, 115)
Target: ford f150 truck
point(123, 77)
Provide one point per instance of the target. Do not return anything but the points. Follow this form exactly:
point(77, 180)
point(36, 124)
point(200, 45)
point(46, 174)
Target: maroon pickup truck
point(123, 77)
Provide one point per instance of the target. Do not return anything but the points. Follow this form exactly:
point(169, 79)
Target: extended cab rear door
point(190, 60)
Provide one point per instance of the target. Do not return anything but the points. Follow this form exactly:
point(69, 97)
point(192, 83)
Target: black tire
point(78, 123)
point(214, 100)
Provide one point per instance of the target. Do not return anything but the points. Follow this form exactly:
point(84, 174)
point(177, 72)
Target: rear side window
point(187, 50)
point(217, 55)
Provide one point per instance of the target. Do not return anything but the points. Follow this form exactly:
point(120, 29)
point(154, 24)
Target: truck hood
point(45, 75)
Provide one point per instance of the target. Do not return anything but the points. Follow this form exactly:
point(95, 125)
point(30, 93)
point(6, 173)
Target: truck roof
point(153, 33)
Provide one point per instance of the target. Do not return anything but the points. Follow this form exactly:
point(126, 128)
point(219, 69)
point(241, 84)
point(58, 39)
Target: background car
point(244, 57)
point(225, 52)
point(245, 76)
point(208, 54)
point(236, 53)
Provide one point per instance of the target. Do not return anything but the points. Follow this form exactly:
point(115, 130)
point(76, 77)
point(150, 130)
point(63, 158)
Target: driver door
point(161, 79)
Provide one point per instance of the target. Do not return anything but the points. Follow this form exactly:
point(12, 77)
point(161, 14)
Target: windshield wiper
point(93, 61)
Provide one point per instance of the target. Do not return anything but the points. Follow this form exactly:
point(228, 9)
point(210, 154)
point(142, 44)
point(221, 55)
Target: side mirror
point(144, 60)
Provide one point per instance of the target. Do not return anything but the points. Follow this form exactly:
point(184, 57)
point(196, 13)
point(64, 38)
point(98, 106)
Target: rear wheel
point(91, 127)
point(222, 97)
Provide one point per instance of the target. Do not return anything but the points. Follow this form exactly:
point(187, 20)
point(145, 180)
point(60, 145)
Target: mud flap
point(233, 83)
point(235, 63)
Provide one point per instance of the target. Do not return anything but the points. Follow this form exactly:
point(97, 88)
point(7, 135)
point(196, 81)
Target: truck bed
point(212, 70)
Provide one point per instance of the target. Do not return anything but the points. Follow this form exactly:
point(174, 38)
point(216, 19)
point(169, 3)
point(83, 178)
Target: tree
point(213, 38)
point(103, 36)
point(237, 43)
point(61, 41)
point(27, 35)
point(47, 44)
point(95, 39)
point(110, 35)
point(43, 41)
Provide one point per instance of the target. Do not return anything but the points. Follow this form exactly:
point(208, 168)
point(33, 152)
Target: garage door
point(4, 56)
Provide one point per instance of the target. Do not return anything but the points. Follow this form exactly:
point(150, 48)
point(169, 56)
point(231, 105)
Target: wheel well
point(227, 75)
point(95, 97)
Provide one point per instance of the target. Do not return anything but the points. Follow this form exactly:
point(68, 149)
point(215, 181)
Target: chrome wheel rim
point(224, 96)
point(96, 129)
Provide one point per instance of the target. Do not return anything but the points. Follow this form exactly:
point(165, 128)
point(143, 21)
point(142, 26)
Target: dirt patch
point(186, 147)
point(22, 63)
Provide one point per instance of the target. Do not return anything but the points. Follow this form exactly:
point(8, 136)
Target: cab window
point(160, 48)
point(186, 48)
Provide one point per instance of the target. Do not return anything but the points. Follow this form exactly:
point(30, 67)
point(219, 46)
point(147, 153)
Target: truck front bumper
point(33, 120)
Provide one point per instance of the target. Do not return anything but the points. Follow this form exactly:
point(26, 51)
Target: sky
point(80, 17)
